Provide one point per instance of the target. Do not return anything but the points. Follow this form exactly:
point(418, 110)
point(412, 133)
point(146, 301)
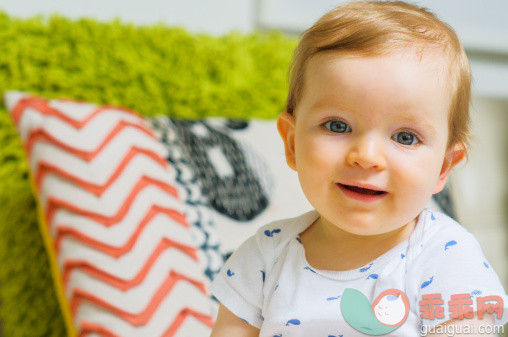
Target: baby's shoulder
point(441, 232)
point(275, 236)
point(444, 243)
point(280, 232)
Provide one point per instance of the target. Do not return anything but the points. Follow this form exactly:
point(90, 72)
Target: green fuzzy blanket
point(153, 70)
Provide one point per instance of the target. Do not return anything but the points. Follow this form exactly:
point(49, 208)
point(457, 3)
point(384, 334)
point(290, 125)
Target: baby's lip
point(362, 188)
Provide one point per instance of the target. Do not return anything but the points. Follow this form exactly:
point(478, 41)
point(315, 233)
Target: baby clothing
point(268, 282)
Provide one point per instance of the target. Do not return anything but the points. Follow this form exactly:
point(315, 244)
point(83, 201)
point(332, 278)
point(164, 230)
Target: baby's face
point(369, 139)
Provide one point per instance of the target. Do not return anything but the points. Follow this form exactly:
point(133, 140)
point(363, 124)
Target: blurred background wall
point(480, 187)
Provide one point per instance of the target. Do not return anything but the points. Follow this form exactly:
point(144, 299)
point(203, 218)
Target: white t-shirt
point(268, 283)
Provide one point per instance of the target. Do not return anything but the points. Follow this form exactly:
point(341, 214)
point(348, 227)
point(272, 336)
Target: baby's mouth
point(362, 190)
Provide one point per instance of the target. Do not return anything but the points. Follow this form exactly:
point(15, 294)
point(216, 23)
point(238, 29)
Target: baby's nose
point(367, 152)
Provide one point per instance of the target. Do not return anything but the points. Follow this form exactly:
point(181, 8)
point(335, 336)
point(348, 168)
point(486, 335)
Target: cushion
point(122, 248)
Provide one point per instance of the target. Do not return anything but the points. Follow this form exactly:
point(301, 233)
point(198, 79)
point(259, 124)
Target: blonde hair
point(374, 28)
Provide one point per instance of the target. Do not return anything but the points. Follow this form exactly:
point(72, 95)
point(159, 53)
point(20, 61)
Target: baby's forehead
point(395, 69)
point(407, 74)
point(424, 58)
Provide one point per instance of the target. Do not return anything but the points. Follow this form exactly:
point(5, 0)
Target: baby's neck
point(345, 251)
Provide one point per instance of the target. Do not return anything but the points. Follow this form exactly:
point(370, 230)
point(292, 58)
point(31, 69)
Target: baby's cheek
point(314, 158)
point(412, 173)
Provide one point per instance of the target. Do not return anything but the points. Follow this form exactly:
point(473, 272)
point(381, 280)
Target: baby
point(377, 116)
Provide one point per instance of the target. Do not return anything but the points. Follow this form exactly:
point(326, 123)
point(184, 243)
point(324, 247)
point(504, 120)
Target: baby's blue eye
point(405, 138)
point(337, 126)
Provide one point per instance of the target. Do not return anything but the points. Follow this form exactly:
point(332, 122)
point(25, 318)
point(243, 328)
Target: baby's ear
point(453, 156)
point(286, 127)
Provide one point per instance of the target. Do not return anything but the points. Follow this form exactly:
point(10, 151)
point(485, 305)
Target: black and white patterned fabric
point(234, 173)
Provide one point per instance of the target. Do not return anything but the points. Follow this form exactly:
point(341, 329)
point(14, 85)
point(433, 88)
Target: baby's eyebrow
point(326, 104)
point(323, 111)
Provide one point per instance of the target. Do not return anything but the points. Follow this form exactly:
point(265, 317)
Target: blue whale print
point(449, 244)
point(271, 233)
point(310, 269)
point(293, 322)
point(332, 298)
point(364, 269)
point(298, 239)
point(372, 276)
point(427, 283)
point(402, 256)
point(485, 264)
point(476, 292)
point(432, 217)
point(230, 273)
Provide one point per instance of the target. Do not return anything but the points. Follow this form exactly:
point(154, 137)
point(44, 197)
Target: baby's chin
point(372, 220)
point(371, 228)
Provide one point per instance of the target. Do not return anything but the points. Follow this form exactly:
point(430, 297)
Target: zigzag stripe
point(92, 328)
point(40, 135)
point(117, 282)
point(96, 189)
point(155, 210)
point(182, 316)
point(44, 108)
point(89, 328)
point(142, 204)
point(55, 204)
point(143, 317)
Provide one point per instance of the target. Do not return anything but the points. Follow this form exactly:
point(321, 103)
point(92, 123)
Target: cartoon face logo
point(388, 311)
point(391, 307)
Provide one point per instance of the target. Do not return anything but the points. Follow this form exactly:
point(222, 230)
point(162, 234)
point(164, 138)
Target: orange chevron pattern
point(55, 204)
point(45, 168)
point(40, 135)
point(182, 316)
point(112, 250)
point(142, 317)
point(90, 269)
point(88, 328)
point(96, 253)
point(43, 107)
